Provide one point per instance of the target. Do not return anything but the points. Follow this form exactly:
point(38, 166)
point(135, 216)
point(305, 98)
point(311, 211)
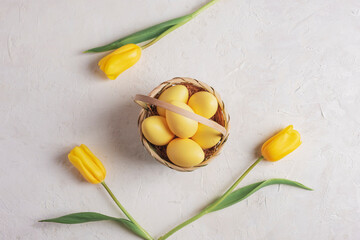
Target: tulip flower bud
point(121, 59)
point(88, 164)
point(281, 144)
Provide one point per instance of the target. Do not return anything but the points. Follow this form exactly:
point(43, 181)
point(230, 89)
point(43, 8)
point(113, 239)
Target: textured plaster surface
point(273, 62)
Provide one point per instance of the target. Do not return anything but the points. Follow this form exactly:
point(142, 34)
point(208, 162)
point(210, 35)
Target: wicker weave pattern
point(221, 117)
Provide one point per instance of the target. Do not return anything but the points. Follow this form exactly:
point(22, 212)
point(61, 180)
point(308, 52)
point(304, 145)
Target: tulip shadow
point(257, 150)
point(94, 68)
point(63, 161)
point(123, 132)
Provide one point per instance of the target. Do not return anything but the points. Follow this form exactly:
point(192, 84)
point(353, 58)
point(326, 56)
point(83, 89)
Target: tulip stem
point(209, 208)
point(204, 7)
point(124, 210)
point(187, 19)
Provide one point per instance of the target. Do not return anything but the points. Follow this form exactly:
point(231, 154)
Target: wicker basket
point(221, 117)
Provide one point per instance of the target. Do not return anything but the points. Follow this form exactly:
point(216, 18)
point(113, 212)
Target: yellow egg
point(181, 126)
point(185, 152)
point(175, 93)
point(204, 104)
point(206, 137)
point(156, 130)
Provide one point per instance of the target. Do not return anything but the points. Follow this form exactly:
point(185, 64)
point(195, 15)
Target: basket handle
point(141, 99)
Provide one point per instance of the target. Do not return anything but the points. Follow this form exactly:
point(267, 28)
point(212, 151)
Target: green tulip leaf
point(143, 35)
point(83, 217)
point(244, 192)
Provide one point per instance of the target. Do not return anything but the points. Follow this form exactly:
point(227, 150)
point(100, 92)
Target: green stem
point(212, 205)
point(124, 210)
point(164, 34)
point(197, 12)
point(190, 16)
point(217, 202)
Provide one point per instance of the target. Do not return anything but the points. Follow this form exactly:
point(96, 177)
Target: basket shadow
point(123, 133)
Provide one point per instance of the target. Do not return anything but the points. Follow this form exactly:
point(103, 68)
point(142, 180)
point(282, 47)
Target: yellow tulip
point(88, 164)
point(119, 60)
point(281, 144)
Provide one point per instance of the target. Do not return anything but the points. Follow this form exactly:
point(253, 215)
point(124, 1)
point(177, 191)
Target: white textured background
point(274, 63)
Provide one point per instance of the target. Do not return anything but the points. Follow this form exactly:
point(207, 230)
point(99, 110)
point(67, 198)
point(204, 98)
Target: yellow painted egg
point(204, 104)
point(206, 137)
point(156, 130)
point(174, 93)
point(181, 126)
point(185, 152)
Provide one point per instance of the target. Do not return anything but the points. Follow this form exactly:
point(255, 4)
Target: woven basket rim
point(155, 151)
